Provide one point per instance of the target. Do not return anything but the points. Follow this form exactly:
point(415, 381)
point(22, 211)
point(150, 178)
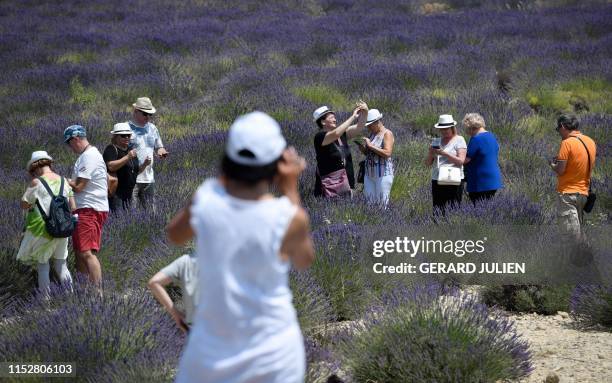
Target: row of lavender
point(205, 64)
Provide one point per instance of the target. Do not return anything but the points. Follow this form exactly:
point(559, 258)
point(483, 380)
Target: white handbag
point(448, 175)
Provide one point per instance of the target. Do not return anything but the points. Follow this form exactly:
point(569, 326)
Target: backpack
point(59, 222)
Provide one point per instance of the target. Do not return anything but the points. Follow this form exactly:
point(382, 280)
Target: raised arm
point(355, 130)
point(335, 134)
point(297, 245)
point(179, 229)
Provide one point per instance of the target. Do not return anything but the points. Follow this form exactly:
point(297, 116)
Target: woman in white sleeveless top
point(245, 328)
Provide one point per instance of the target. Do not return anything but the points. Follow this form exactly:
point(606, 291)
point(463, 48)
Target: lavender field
point(203, 63)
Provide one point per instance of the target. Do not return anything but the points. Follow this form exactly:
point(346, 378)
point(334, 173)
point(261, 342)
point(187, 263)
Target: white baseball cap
point(255, 139)
point(320, 112)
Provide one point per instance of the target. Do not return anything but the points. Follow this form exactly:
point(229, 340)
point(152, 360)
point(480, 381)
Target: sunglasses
point(125, 135)
point(145, 114)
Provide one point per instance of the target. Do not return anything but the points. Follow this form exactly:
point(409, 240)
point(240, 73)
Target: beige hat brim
point(150, 111)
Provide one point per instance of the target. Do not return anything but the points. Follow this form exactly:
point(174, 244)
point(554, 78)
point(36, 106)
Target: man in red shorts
point(89, 184)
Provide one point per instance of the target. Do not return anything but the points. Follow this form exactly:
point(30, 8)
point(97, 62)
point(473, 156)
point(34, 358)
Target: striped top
point(376, 166)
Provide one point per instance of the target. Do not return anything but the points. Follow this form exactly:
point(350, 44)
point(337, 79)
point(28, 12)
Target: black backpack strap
point(589, 158)
point(46, 185)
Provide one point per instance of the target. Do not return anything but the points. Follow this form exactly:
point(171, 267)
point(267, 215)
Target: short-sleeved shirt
point(184, 273)
point(146, 140)
point(34, 220)
point(453, 146)
point(91, 166)
point(576, 178)
point(330, 158)
point(482, 172)
point(126, 174)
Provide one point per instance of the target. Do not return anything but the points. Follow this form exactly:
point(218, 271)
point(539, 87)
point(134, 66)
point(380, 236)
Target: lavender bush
point(114, 331)
point(592, 305)
point(425, 335)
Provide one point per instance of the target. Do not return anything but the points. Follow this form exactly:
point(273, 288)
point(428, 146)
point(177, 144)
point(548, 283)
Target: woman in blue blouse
point(483, 174)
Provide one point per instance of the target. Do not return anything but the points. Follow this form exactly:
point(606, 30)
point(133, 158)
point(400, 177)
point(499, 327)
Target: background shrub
point(592, 305)
point(529, 299)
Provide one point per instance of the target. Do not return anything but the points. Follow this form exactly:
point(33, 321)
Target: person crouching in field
point(89, 183)
point(38, 246)
point(183, 272)
point(245, 326)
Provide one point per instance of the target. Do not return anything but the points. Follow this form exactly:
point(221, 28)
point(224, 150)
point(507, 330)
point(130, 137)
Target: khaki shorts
point(571, 216)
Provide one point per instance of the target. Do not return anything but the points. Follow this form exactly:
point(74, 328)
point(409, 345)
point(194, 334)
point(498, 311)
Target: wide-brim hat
point(445, 121)
point(320, 112)
point(255, 139)
point(121, 128)
point(144, 104)
point(373, 116)
point(37, 156)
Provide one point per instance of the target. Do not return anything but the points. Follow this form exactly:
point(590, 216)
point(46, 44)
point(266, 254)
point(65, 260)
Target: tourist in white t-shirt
point(90, 187)
point(148, 145)
point(245, 326)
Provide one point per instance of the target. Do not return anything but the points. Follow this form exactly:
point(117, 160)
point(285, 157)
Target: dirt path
point(575, 356)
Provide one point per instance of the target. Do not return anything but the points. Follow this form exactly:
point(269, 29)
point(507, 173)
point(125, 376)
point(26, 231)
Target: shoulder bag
point(448, 175)
point(590, 202)
point(336, 184)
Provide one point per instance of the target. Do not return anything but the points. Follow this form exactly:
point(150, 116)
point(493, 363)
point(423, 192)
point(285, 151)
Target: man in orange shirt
point(573, 171)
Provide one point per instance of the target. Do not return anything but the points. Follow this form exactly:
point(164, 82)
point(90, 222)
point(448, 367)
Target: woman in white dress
point(245, 327)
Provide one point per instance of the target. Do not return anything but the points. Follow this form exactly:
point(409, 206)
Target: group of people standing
point(128, 159)
point(239, 313)
point(447, 156)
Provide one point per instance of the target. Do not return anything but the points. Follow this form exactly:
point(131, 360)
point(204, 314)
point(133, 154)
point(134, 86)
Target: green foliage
point(76, 57)
point(539, 299)
point(590, 94)
point(81, 95)
point(320, 94)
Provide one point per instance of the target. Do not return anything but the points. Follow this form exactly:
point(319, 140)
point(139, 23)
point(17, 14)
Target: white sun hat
point(121, 128)
point(255, 139)
point(37, 156)
point(144, 104)
point(320, 112)
point(373, 116)
point(445, 121)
